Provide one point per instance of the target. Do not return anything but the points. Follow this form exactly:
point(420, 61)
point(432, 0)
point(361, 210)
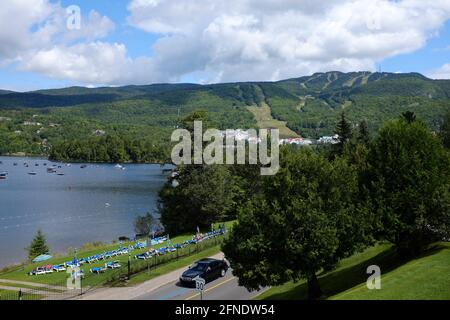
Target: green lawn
point(60, 278)
point(13, 295)
point(427, 277)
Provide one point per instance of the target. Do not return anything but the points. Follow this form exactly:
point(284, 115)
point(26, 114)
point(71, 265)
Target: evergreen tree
point(38, 246)
point(363, 133)
point(444, 133)
point(344, 131)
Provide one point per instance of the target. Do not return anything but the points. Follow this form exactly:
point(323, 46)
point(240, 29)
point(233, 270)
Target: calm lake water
point(97, 203)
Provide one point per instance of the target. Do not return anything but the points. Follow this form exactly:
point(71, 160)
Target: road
point(225, 288)
point(165, 287)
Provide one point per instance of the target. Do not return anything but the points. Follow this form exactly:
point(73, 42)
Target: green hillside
point(305, 106)
point(426, 277)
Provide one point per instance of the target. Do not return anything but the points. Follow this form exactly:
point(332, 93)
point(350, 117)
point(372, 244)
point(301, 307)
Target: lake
point(96, 203)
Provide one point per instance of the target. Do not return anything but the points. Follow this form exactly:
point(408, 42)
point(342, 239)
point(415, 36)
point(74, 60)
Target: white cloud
point(263, 39)
point(34, 30)
point(215, 40)
point(442, 73)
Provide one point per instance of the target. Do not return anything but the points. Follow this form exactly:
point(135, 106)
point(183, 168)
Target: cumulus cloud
point(267, 40)
point(214, 40)
point(34, 32)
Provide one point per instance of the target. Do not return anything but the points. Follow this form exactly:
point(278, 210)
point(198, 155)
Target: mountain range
point(306, 106)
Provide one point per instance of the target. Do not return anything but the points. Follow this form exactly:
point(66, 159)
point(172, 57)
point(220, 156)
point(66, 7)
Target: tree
point(344, 131)
point(408, 179)
point(445, 131)
point(363, 133)
point(196, 196)
point(305, 220)
point(38, 246)
point(143, 225)
point(196, 115)
point(409, 116)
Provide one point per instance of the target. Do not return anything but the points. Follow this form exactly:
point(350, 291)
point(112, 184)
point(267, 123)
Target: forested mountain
point(35, 122)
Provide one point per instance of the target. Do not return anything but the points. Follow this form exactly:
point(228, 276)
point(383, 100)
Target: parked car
point(208, 269)
point(37, 271)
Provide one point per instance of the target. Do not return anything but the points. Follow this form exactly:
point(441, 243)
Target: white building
point(297, 141)
point(329, 139)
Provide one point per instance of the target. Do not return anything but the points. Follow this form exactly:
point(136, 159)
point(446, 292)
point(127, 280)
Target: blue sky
point(148, 41)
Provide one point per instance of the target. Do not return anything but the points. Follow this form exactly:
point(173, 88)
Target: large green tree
point(305, 220)
point(38, 246)
point(196, 196)
point(408, 179)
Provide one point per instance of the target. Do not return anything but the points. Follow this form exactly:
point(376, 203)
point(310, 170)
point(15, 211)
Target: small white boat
point(118, 166)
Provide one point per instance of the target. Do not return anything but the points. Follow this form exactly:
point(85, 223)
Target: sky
point(54, 44)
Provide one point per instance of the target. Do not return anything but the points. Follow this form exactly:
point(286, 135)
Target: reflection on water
point(96, 203)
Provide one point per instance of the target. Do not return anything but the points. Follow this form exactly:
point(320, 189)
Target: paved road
point(225, 288)
point(166, 287)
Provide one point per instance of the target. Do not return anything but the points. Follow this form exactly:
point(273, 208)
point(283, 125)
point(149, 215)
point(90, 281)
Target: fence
point(138, 266)
point(57, 290)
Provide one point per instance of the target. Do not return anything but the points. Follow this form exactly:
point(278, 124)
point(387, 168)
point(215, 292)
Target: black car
point(208, 269)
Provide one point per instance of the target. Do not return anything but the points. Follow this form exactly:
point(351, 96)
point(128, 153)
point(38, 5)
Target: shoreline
point(43, 157)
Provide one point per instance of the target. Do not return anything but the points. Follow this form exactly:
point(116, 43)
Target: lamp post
point(129, 264)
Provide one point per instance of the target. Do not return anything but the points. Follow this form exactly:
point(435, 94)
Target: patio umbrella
point(42, 257)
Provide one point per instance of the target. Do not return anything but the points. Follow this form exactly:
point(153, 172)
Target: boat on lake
point(3, 175)
point(32, 173)
point(83, 166)
point(51, 170)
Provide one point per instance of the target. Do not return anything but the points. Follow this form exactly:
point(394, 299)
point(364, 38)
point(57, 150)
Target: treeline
point(110, 148)
point(324, 204)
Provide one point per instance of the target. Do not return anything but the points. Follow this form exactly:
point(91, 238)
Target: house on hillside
point(329, 139)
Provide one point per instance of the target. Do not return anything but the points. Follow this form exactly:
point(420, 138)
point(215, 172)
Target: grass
point(29, 286)
point(60, 278)
point(13, 295)
point(264, 119)
point(174, 265)
point(426, 277)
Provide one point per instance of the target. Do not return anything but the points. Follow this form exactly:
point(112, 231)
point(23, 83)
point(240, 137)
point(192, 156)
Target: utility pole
point(129, 264)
